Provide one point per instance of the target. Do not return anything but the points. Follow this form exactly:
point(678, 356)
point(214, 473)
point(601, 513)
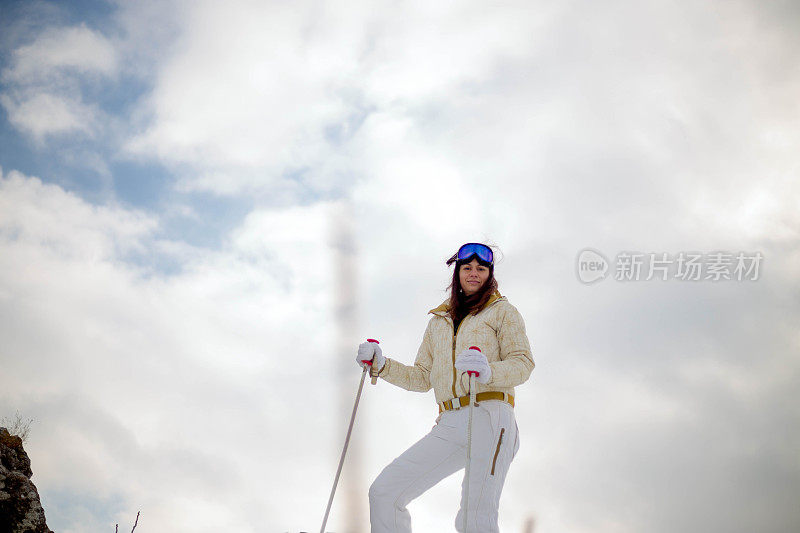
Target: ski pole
point(347, 439)
point(472, 375)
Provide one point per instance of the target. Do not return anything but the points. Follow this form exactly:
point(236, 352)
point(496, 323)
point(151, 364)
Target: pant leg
point(441, 453)
point(437, 455)
point(494, 444)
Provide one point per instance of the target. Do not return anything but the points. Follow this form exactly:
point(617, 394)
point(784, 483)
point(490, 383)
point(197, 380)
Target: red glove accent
point(369, 362)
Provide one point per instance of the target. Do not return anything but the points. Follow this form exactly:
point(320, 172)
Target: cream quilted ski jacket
point(498, 330)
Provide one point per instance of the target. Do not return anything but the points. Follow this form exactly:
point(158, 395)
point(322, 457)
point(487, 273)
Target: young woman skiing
point(474, 316)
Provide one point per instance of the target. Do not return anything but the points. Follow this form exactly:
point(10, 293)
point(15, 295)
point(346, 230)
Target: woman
point(475, 315)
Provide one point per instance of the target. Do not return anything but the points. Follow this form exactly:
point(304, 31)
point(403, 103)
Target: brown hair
point(460, 304)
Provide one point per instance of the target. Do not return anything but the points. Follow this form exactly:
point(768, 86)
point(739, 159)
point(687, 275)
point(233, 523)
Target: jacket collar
point(444, 308)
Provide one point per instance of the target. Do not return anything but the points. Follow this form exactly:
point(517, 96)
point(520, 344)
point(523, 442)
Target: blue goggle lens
point(483, 252)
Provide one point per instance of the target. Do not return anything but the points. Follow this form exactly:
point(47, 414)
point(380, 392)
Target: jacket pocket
point(497, 451)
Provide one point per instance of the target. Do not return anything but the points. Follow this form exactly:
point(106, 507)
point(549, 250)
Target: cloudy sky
point(205, 206)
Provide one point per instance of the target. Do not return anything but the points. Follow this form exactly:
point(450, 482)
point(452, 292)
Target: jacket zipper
point(497, 451)
point(455, 334)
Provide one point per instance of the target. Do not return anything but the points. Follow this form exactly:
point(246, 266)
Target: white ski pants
point(442, 452)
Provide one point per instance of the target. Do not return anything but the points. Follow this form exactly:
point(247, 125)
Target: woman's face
point(472, 276)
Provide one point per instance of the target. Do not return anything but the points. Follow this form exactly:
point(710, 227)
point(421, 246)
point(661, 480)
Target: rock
point(20, 508)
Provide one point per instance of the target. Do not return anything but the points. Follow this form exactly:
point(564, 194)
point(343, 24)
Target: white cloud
point(43, 95)
point(42, 114)
point(141, 377)
point(57, 51)
point(45, 215)
point(246, 87)
point(255, 91)
point(419, 52)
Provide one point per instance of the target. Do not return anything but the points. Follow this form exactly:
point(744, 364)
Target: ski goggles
point(483, 252)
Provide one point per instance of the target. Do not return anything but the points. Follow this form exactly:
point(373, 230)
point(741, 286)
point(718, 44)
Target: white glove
point(474, 361)
point(370, 351)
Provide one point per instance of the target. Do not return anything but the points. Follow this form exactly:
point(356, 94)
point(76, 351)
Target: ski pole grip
point(473, 372)
point(374, 379)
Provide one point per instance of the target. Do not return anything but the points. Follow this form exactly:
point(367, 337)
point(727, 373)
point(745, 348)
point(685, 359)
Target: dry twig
point(17, 425)
point(116, 526)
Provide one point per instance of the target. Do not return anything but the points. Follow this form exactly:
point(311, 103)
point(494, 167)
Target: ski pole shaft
point(344, 451)
point(472, 374)
point(469, 448)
